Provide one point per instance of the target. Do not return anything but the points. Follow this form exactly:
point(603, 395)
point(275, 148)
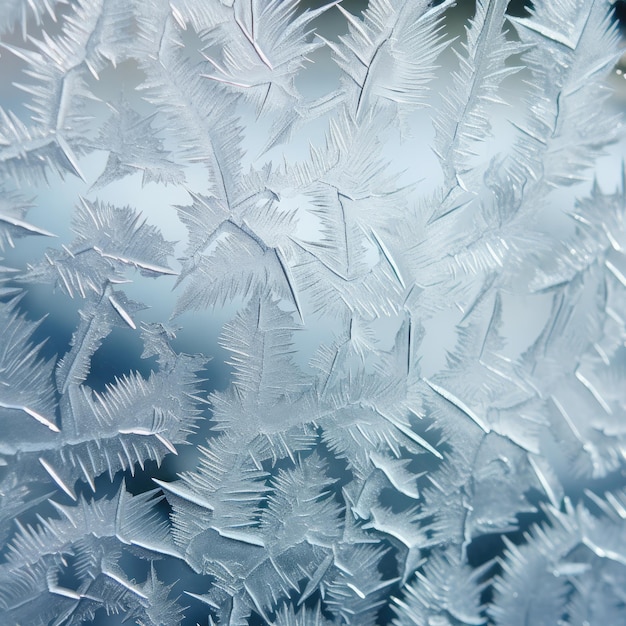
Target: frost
point(420, 412)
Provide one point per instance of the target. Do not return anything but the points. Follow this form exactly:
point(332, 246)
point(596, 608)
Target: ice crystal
point(424, 418)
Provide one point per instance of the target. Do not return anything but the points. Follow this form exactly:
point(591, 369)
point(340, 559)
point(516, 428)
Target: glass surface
point(312, 313)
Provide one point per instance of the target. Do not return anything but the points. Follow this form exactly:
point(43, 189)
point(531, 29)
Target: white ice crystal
point(420, 415)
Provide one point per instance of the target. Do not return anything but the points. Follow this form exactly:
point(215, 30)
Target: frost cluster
point(424, 421)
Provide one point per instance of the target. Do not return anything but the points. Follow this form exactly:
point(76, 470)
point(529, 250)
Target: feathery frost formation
point(425, 421)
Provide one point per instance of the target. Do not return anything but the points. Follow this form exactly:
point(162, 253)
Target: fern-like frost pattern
point(424, 420)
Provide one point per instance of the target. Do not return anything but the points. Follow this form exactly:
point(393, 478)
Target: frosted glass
point(311, 314)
